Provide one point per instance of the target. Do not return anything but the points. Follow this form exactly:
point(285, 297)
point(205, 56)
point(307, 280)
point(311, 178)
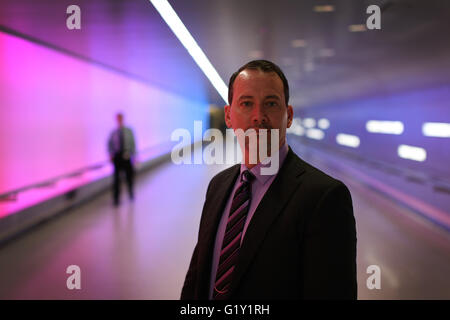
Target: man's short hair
point(264, 66)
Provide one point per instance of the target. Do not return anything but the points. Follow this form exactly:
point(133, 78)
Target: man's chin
point(257, 151)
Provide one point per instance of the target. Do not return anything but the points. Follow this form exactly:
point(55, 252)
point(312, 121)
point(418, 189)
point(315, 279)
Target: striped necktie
point(232, 238)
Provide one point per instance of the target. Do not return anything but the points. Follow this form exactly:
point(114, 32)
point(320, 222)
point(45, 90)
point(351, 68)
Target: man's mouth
point(258, 130)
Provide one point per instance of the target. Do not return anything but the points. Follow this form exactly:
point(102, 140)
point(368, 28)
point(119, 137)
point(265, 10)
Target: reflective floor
point(141, 250)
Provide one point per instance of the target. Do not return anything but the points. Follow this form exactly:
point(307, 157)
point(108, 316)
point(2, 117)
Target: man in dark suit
point(289, 235)
point(122, 151)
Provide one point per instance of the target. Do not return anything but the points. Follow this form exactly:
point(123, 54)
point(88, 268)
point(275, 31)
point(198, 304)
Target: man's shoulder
point(315, 178)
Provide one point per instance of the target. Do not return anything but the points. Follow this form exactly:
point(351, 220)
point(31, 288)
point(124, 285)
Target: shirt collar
point(256, 170)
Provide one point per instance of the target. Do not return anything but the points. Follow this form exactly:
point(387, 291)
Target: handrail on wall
point(11, 195)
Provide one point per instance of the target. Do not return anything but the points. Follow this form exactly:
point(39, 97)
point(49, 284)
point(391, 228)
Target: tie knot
point(247, 176)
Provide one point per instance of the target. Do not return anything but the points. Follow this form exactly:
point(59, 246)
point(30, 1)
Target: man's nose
point(258, 115)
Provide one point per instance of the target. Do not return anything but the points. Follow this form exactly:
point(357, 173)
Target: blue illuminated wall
point(422, 184)
point(411, 108)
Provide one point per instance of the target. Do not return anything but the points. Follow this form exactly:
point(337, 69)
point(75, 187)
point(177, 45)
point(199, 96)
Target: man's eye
point(272, 103)
point(246, 103)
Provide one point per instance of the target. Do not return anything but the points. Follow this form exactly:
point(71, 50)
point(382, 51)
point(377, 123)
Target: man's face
point(259, 102)
point(119, 119)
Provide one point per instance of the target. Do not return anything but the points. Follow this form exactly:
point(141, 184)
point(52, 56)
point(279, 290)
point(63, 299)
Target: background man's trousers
point(120, 165)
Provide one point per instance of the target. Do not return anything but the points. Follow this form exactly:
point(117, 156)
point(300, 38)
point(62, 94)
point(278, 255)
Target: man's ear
point(228, 116)
point(290, 115)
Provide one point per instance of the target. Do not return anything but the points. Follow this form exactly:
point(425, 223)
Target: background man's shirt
point(128, 142)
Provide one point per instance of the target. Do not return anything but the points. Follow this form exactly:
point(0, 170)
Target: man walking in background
point(121, 148)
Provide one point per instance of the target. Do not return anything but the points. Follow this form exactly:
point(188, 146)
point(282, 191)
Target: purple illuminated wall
point(56, 112)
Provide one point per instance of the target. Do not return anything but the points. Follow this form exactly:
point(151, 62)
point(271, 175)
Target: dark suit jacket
point(300, 243)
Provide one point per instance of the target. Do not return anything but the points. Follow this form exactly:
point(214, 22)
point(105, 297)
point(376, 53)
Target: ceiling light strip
point(174, 22)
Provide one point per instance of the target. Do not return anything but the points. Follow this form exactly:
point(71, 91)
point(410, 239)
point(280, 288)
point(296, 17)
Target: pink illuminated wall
point(56, 112)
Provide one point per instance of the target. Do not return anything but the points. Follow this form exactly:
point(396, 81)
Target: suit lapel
point(212, 218)
point(271, 205)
